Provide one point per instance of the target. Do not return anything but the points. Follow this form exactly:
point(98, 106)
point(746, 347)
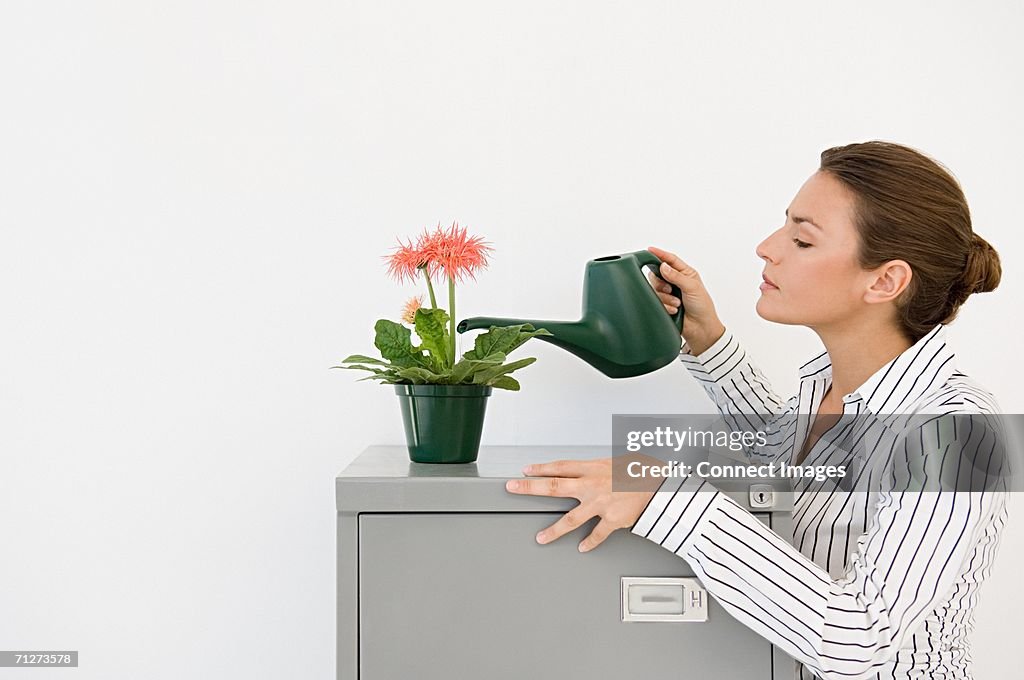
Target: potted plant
point(442, 398)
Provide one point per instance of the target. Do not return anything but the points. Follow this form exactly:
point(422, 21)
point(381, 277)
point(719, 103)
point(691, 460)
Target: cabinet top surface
point(493, 462)
point(383, 479)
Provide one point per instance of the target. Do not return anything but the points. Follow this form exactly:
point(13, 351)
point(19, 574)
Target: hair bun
point(982, 270)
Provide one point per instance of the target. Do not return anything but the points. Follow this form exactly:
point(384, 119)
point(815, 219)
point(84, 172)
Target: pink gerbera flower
point(451, 251)
point(454, 252)
point(405, 261)
point(409, 311)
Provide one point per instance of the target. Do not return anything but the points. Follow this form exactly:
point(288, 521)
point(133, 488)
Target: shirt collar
point(901, 382)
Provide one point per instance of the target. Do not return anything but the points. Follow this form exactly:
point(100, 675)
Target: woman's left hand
point(590, 482)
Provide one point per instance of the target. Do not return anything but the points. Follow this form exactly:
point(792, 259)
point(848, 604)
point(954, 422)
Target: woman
point(876, 255)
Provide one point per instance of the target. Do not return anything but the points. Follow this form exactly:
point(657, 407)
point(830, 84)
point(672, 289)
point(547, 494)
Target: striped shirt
point(877, 583)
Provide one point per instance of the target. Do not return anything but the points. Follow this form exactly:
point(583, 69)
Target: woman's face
point(812, 259)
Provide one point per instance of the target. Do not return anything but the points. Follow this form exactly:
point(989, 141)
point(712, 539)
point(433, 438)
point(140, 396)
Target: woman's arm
point(733, 381)
point(713, 356)
point(740, 391)
point(903, 567)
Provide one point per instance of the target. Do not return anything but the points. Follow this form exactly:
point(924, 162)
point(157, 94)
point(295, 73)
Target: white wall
point(194, 197)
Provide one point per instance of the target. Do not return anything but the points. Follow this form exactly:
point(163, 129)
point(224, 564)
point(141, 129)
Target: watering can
point(625, 330)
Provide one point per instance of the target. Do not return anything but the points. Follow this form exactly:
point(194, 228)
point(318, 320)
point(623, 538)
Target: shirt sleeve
point(903, 567)
point(732, 381)
point(740, 391)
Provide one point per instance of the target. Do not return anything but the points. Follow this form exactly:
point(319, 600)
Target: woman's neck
point(858, 352)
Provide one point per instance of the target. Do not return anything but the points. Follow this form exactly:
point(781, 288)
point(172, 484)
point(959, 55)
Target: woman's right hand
point(701, 325)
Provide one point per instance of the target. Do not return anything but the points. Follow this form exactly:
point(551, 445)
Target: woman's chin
point(764, 309)
point(769, 312)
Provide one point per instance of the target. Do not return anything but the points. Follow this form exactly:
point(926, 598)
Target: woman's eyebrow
point(808, 220)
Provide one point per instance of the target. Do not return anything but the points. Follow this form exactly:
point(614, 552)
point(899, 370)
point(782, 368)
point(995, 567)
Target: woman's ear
point(891, 279)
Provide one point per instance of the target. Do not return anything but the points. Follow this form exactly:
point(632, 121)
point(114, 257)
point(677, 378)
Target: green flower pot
point(443, 423)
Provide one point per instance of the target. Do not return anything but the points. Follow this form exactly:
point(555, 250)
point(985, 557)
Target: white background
point(194, 199)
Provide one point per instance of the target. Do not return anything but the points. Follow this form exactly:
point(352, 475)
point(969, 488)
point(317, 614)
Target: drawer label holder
point(663, 600)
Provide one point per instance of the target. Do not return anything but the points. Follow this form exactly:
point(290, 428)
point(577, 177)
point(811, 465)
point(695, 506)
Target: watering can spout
point(572, 336)
point(625, 330)
point(476, 322)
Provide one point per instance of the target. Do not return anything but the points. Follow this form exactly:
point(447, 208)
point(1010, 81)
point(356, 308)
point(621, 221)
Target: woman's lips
point(767, 285)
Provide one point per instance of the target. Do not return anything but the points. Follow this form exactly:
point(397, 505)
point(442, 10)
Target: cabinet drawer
point(472, 595)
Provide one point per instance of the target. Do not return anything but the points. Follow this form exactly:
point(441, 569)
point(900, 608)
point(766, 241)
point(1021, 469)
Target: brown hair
point(911, 208)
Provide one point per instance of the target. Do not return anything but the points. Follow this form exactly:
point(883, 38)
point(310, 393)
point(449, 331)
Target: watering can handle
point(646, 257)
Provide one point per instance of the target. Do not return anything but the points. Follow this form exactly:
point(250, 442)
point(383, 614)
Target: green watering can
point(625, 330)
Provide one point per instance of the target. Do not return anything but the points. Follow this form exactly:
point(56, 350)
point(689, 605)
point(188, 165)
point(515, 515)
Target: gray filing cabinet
point(439, 577)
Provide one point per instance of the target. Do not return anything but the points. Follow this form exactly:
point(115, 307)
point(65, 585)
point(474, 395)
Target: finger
point(672, 260)
point(549, 486)
point(602, 531)
point(556, 468)
point(568, 522)
point(663, 291)
point(658, 284)
point(687, 280)
point(667, 299)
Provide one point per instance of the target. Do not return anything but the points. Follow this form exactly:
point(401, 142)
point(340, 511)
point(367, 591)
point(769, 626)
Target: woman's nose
point(762, 250)
point(768, 249)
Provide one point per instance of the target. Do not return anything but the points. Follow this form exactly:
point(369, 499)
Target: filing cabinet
point(439, 577)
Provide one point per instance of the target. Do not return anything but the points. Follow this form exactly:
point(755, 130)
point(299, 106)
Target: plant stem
point(451, 318)
point(430, 289)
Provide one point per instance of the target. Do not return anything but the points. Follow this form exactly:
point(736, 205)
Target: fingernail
point(512, 485)
point(583, 548)
point(528, 469)
point(664, 265)
point(540, 537)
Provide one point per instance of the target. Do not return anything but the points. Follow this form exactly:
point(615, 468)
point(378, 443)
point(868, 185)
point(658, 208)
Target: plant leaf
point(493, 357)
point(503, 339)
point(362, 368)
point(395, 344)
point(462, 370)
point(491, 373)
point(496, 339)
point(505, 382)
point(378, 373)
point(527, 331)
point(431, 326)
point(421, 376)
point(362, 359)
point(466, 368)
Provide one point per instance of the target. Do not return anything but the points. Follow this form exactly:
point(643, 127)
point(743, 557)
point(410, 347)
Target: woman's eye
point(801, 244)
